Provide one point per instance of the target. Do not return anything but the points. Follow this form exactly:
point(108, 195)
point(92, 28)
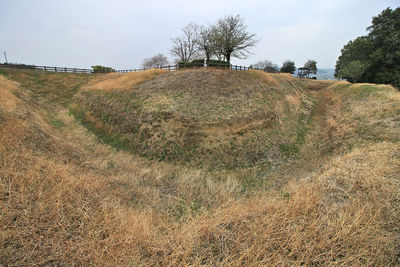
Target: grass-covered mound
point(221, 118)
point(68, 200)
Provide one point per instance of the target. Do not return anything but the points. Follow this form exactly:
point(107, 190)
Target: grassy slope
point(203, 117)
point(69, 200)
point(51, 89)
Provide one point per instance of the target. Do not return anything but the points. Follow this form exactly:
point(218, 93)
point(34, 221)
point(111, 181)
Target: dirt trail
point(322, 125)
point(318, 146)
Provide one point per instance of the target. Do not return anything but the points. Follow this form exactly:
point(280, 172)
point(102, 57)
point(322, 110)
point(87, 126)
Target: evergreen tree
point(288, 67)
point(380, 50)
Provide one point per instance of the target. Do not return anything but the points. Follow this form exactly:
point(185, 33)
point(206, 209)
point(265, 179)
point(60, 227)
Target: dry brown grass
point(316, 85)
point(8, 100)
point(370, 113)
point(50, 90)
point(118, 81)
point(67, 199)
point(343, 216)
point(269, 78)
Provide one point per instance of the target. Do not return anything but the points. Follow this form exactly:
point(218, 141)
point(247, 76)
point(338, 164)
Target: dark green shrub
point(185, 65)
point(219, 63)
point(199, 63)
point(189, 65)
point(102, 69)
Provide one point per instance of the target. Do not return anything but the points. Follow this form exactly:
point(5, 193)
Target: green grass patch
point(289, 150)
point(116, 141)
point(57, 123)
point(183, 209)
point(368, 89)
point(301, 128)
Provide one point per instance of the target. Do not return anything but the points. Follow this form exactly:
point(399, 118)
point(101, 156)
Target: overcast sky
point(121, 33)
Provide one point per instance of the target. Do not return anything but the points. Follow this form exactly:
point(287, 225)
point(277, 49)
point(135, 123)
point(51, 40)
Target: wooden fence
point(90, 71)
point(48, 68)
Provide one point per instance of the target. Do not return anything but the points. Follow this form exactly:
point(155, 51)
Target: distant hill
point(323, 74)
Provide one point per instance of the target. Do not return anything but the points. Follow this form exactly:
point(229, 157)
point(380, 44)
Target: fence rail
point(91, 71)
point(48, 68)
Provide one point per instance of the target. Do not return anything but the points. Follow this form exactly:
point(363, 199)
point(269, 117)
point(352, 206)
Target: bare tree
point(205, 42)
point(156, 61)
point(267, 66)
point(185, 47)
point(231, 38)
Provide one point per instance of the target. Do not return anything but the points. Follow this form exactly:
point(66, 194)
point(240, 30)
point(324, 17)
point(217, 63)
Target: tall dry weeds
point(348, 215)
